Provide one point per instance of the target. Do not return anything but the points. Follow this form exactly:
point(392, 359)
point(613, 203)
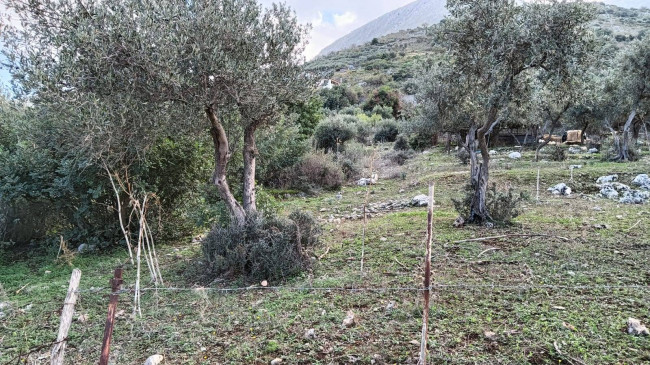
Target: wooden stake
point(116, 283)
point(58, 350)
point(427, 280)
point(538, 170)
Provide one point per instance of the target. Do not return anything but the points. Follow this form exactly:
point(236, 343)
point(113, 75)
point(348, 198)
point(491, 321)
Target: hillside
point(417, 14)
point(394, 58)
point(410, 16)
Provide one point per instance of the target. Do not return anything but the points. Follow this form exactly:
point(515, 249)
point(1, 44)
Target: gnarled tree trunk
point(480, 174)
point(221, 158)
point(623, 150)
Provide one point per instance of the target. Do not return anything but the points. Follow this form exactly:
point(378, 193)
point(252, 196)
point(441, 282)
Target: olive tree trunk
point(623, 150)
point(221, 158)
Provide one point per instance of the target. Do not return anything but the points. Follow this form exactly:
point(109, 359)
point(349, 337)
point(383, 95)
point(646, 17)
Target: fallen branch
point(486, 251)
point(401, 264)
point(324, 254)
point(511, 236)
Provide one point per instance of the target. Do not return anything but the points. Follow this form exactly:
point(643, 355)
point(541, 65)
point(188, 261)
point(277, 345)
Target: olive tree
point(124, 74)
point(629, 89)
point(491, 49)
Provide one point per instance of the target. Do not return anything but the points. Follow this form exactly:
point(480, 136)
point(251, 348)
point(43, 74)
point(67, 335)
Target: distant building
point(328, 84)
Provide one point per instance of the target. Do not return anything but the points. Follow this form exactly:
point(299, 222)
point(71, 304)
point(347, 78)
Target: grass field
point(546, 300)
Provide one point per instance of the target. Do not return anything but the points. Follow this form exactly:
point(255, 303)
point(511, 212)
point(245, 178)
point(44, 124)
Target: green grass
point(534, 313)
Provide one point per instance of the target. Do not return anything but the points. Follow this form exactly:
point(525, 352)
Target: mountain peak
point(410, 16)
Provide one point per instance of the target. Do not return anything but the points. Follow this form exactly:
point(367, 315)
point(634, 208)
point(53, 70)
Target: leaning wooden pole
point(427, 279)
point(58, 350)
point(116, 283)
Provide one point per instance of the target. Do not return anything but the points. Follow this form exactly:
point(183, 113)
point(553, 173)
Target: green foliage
point(332, 133)
point(307, 115)
point(264, 248)
point(385, 97)
point(387, 131)
point(384, 111)
point(338, 97)
point(280, 146)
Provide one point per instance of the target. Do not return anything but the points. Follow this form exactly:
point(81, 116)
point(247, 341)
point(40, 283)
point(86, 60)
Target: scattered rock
point(642, 181)
point(264, 283)
point(401, 191)
point(489, 335)
point(82, 248)
point(420, 201)
point(600, 226)
point(390, 306)
point(368, 181)
point(575, 167)
point(310, 334)
point(593, 150)
point(459, 222)
point(154, 360)
point(415, 342)
point(383, 239)
point(83, 318)
point(560, 189)
point(276, 361)
point(634, 327)
point(350, 320)
point(493, 153)
point(514, 155)
point(574, 150)
point(606, 179)
point(635, 197)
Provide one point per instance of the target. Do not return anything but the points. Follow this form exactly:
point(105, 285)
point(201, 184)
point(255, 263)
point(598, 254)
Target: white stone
point(515, 155)
point(574, 150)
point(593, 150)
point(493, 152)
point(420, 201)
point(642, 181)
point(634, 327)
point(349, 320)
point(310, 334)
point(154, 360)
point(560, 189)
point(606, 179)
point(277, 361)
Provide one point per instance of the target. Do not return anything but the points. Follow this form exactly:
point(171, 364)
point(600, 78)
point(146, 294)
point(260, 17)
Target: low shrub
point(318, 171)
point(558, 154)
point(264, 248)
point(387, 131)
point(398, 157)
point(503, 207)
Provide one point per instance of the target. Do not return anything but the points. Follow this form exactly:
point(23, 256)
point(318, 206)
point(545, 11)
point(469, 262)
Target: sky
point(333, 19)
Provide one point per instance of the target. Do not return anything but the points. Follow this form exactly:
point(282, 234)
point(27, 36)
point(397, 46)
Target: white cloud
point(347, 18)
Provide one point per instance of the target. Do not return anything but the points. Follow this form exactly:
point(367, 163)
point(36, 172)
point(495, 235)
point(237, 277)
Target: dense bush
point(399, 157)
point(401, 144)
point(362, 132)
point(385, 112)
point(387, 131)
point(352, 160)
point(558, 153)
point(338, 98)
point(384, 96)
point(262, 249)
point(333, 132)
